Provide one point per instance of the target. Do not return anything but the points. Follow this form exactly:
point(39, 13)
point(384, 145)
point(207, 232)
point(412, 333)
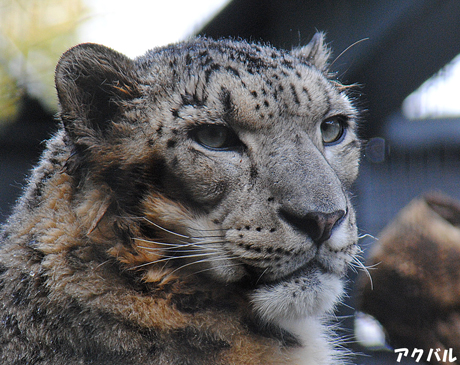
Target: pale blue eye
point(216, 137)
point(212, 136)
point(333, 130)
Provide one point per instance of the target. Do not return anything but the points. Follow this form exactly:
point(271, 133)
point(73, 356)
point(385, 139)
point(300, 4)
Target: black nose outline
point(317, 225)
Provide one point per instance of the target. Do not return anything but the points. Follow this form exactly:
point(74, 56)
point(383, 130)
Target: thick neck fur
point(170, 220)
point(63, 242)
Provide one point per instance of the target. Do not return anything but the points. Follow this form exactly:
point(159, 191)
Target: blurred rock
point(415, 290)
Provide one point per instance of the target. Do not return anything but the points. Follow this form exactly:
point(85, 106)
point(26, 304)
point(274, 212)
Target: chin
point(310, 292)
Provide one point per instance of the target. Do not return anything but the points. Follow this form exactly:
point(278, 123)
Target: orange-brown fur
point(137, 243)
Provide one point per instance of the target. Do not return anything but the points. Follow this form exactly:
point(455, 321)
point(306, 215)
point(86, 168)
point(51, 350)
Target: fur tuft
point(315, 52)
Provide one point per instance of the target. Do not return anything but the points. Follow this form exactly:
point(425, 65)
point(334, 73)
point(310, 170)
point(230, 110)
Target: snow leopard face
point(237, 157)
point(195, 202)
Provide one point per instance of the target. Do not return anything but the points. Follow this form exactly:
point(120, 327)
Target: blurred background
point(402, 53)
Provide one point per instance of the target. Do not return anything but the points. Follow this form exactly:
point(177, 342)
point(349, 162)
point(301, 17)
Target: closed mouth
point(256, 277)
point(254, 280)
point(310, 267)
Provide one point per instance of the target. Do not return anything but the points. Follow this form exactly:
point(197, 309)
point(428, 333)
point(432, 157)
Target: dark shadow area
point(20, 148)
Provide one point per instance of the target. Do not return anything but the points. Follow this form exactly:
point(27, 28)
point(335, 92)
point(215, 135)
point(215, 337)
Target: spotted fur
point(145, 237)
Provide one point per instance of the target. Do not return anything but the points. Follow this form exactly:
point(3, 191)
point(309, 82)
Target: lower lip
point(303, 271)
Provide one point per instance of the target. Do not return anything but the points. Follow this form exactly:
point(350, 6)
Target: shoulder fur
point(170, 220)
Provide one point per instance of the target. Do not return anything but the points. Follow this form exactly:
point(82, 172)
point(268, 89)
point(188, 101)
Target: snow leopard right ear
point(92, 81)
point(316, 52)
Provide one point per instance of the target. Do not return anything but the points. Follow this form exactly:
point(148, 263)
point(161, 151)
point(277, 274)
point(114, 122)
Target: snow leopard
point(192, 207)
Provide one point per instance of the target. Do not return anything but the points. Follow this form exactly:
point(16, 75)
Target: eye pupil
point(215, 137)
point(332, 130)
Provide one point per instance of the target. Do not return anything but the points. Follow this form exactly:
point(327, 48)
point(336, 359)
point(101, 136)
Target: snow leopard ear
point(92, 81)
point(315, 52)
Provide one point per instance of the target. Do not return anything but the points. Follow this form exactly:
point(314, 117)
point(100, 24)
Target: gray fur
point(139, 241)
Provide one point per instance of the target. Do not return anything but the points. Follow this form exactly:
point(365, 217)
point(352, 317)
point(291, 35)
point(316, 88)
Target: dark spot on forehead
point(193, 100)
point(294, 94)
point(160, 130)
point(232, 70)
point(305, 91)
point(207, 60)
point(210, 70)
point(226, 99)
point(287, 63)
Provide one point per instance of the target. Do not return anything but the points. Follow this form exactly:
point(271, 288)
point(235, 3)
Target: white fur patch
point(314, 293)
point(318, 345)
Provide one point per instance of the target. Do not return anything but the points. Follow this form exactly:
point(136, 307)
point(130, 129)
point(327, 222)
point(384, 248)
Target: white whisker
point(205, 230)
point(201, 261)
point(179, 249)
point(367, 235)
point(260, 276)
point(359, 265)
point(204, 237)
point(171, 258)
point(222, 266)
point(205, 242)
point(347, 49)
point(174, 249)
point(159, 243)
point(165, 230)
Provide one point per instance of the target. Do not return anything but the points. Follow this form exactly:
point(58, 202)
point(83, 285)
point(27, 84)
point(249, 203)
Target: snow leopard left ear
point(92, 82)
point(315, 52)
